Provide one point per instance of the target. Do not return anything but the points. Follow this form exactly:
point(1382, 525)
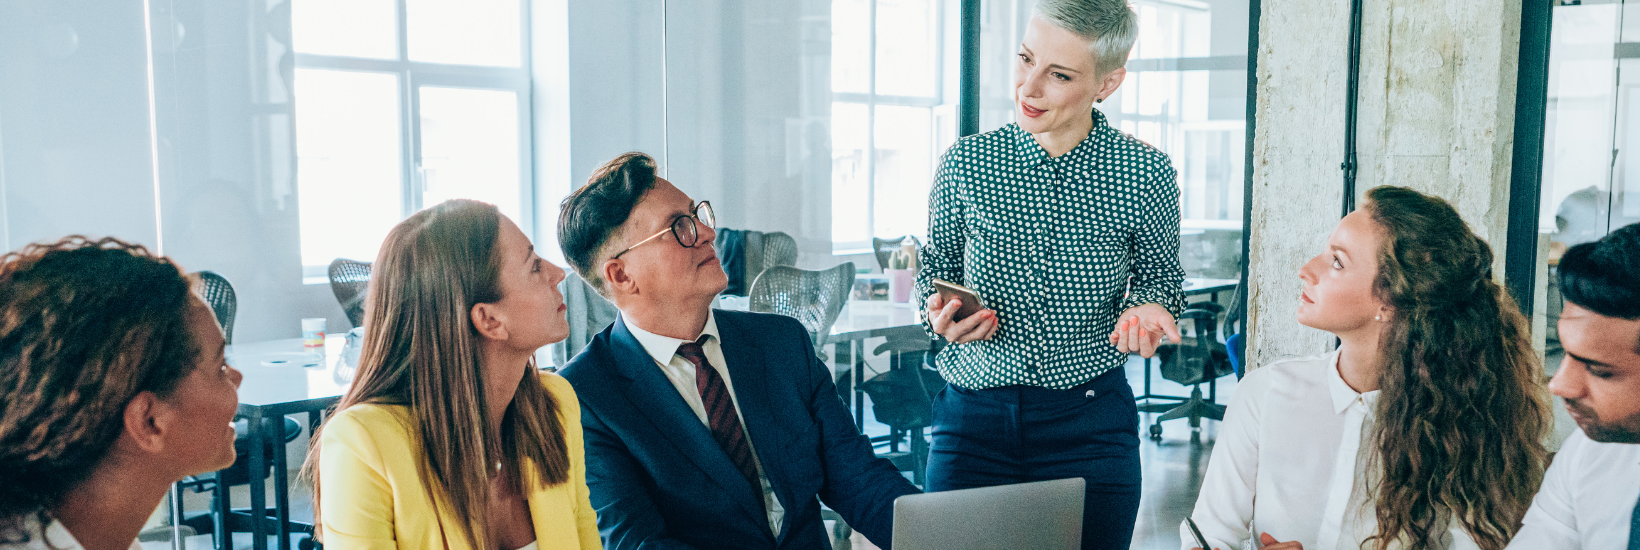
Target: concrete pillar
point(1298, 145)
point(1436, 114)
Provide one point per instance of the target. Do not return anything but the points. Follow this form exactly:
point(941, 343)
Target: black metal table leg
point(258, 464)
point(221, 499)
point(281, 486)
point(857, 379)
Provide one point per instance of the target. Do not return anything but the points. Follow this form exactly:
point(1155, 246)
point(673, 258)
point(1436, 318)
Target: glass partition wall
point(1591, 171)
point(826, 119)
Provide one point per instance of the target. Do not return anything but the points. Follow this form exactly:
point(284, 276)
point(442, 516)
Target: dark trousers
point(1017, 434)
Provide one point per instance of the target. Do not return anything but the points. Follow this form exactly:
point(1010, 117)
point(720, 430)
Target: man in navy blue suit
point(703, 428)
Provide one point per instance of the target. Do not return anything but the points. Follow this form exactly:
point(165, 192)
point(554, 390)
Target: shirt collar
point(662, 348)
point(1033, 154)
point(1342, 396)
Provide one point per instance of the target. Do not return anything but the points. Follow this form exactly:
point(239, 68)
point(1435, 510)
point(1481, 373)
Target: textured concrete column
point(1297, 187)
point(1436, 113)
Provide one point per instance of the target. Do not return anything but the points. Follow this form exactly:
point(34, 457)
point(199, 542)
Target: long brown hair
point(1463, 411)
point(85, 326)
point(421, 351)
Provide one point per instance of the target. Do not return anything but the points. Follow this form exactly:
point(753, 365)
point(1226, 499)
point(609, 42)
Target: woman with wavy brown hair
point(113, 386)
point(449, 437)
point(1422, 431)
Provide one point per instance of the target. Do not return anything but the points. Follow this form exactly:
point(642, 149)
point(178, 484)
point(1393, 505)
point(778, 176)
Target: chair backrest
point(218, 292)
point(587, 312)
point(778, 249)
point(1234, 346)
point(885, 248)
point(1200, 357)
point(348, 280)
point(813, 297)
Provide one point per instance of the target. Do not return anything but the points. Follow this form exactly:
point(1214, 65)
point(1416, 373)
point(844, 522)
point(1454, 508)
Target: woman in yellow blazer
point(449, 437)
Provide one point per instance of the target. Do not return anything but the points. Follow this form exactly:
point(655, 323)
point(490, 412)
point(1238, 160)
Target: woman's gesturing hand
point(979, 326)
point(1268, 542)
point(1141, 328)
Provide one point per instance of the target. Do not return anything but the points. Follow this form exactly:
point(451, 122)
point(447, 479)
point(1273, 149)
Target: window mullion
point(871, 121)
point(410, 122)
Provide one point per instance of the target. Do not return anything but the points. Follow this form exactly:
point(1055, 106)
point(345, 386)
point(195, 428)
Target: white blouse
point(52, 536)
point(1586, 500)
point(1290, 461)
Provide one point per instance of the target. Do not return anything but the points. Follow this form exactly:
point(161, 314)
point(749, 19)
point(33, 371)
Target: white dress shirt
point(682, 374)
point(1291, 460)
point(1586, 500)
point(51, 537)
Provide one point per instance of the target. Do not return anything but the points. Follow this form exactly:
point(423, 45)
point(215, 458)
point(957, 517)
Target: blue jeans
point(1017, 434)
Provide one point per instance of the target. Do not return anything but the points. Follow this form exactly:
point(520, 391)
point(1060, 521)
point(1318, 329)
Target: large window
point(1591, 165)
point(889, 84)
point(400, 105)
point(1185, 93)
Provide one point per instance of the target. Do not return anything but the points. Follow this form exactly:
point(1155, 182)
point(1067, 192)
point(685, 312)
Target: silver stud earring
point(1378, 317)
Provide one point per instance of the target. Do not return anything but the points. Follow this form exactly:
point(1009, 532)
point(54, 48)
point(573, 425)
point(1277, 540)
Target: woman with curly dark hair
point(113, 385)
point(1422, 431)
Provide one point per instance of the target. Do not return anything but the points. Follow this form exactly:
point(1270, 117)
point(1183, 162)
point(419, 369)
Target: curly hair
point(1463, 411)
point(85, 326)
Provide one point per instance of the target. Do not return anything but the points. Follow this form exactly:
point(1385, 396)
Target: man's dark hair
point(593, 214)
point(1604, 276)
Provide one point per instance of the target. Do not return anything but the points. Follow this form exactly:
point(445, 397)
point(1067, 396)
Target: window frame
point(871, 100)
point(412, 77)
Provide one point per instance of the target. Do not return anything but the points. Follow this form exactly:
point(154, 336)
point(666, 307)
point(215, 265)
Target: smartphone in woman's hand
point(953, 291)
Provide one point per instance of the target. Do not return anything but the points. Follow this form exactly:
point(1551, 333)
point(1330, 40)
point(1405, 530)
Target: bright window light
point(349, 181)
point(469, 147)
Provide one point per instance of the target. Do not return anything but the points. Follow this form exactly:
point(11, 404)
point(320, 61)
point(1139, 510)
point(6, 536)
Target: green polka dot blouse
point(1059, 247)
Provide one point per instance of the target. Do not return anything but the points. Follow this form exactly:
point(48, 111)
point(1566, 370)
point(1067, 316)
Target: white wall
point(78, 156)
point(748, 122)
point(747, 105)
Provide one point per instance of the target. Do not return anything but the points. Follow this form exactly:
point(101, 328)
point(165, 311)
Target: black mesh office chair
point(223, 301)
point(813, 297)
point(1199, 358)
point(220, 295)
point(348, 280)
point(903, 400)
point(885, 248)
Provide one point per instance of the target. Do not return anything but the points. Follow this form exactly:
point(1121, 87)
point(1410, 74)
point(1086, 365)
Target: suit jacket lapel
point(654, 396)
point(750, 374)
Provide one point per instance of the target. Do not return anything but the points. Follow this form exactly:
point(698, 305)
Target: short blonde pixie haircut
point(1110, 25)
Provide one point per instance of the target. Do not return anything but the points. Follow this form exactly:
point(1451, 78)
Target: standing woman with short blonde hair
point(449, 437)
point(1069, 231)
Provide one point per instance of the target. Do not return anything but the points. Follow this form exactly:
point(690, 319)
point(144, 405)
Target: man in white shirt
point(1588, 498)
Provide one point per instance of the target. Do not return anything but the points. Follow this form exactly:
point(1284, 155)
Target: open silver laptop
point(1044, 515)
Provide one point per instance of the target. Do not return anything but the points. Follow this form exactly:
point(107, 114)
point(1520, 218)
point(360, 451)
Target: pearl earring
point(1378, 317)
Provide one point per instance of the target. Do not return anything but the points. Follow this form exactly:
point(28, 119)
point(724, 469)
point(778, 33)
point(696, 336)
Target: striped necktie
point(721, 415)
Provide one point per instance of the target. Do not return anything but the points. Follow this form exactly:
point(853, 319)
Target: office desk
point(862, 320)
point(280, 378)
